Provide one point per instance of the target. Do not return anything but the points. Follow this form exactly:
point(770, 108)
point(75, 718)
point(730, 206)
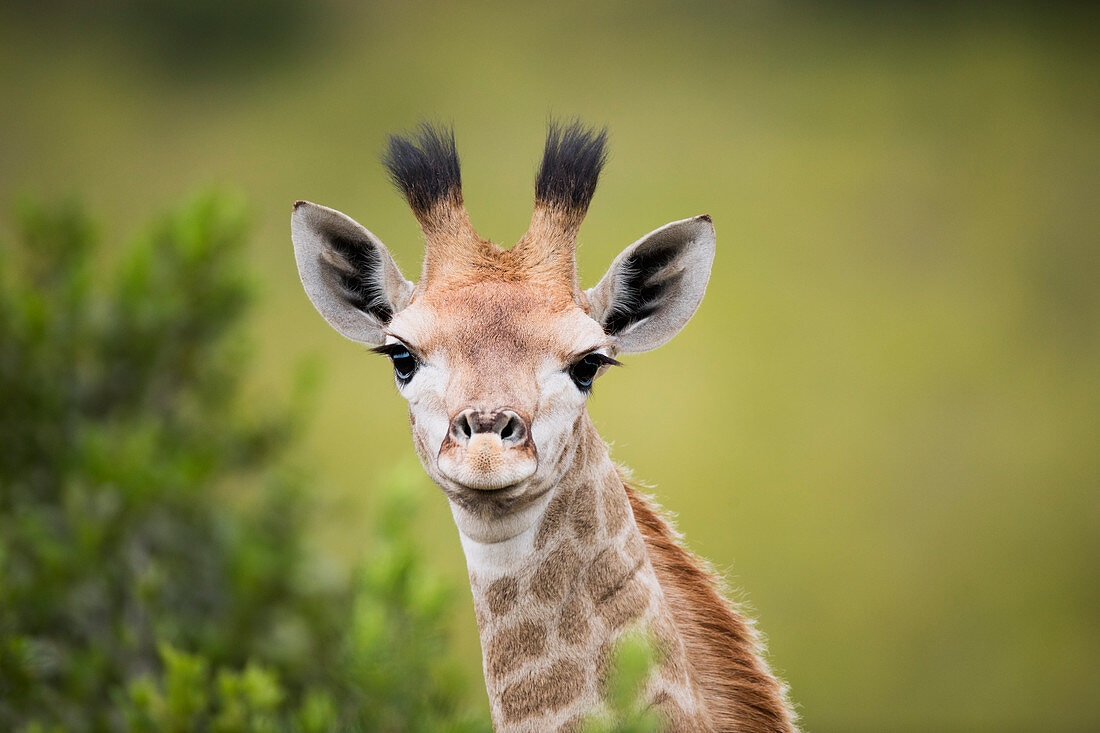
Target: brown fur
point(514, 646)
point(456, 253)
point(502, 595)
point(722, 646)
point(552, 578)
point(450, 243)
point(549, 248)
point(538, 692)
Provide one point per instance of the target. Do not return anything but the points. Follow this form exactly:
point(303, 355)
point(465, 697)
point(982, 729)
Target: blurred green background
point(882, 424)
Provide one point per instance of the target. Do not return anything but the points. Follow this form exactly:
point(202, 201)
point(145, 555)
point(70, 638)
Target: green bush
point(153, 568)
point(633, 659)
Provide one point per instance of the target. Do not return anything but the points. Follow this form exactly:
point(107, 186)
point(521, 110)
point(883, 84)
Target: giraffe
point(496, 351)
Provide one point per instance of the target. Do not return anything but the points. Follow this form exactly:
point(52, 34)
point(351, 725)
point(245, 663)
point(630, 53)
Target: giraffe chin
point(489, 495)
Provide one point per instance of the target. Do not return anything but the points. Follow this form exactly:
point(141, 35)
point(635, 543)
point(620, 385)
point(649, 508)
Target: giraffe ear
point(654, 286)
point(347, 272)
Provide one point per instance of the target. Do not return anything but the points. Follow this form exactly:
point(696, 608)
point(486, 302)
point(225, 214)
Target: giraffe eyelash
point(390, 349)
point(583, 371)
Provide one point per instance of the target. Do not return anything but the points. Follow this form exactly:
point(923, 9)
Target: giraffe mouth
point(487, 471)
point(486, 503)
point(493, 503)
point(483, 490)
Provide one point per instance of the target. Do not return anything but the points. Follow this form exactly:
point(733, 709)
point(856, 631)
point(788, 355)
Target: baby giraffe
point(496, 351)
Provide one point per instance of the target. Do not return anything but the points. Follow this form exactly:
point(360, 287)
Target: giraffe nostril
point(513, 430)
point(506, 424)
point(461, 429)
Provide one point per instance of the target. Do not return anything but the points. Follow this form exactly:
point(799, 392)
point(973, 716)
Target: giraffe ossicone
point(496, 351)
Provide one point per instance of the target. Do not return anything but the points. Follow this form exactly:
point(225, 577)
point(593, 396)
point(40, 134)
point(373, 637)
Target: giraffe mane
point(722, 646)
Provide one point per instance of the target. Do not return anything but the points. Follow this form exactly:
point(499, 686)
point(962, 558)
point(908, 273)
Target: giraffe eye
point(584, 371)
point(404, 365)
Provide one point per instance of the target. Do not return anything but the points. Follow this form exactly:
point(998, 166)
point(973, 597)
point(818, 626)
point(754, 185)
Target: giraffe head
point(496, 350)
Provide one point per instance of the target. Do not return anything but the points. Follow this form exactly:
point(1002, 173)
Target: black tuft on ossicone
point(571, 165)
point(424, 166)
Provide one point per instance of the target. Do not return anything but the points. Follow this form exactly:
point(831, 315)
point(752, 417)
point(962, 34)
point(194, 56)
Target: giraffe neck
point(552, 600)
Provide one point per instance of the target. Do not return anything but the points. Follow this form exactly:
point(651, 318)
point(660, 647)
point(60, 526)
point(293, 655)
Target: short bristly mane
point(723, 648)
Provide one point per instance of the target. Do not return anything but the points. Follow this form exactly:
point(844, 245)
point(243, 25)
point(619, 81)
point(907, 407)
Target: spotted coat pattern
point(548, 623)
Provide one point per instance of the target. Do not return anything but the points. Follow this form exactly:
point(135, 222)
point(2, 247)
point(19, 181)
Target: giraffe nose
point(506, 425)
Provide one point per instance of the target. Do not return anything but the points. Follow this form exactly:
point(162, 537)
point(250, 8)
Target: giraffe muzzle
point(488, 449)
